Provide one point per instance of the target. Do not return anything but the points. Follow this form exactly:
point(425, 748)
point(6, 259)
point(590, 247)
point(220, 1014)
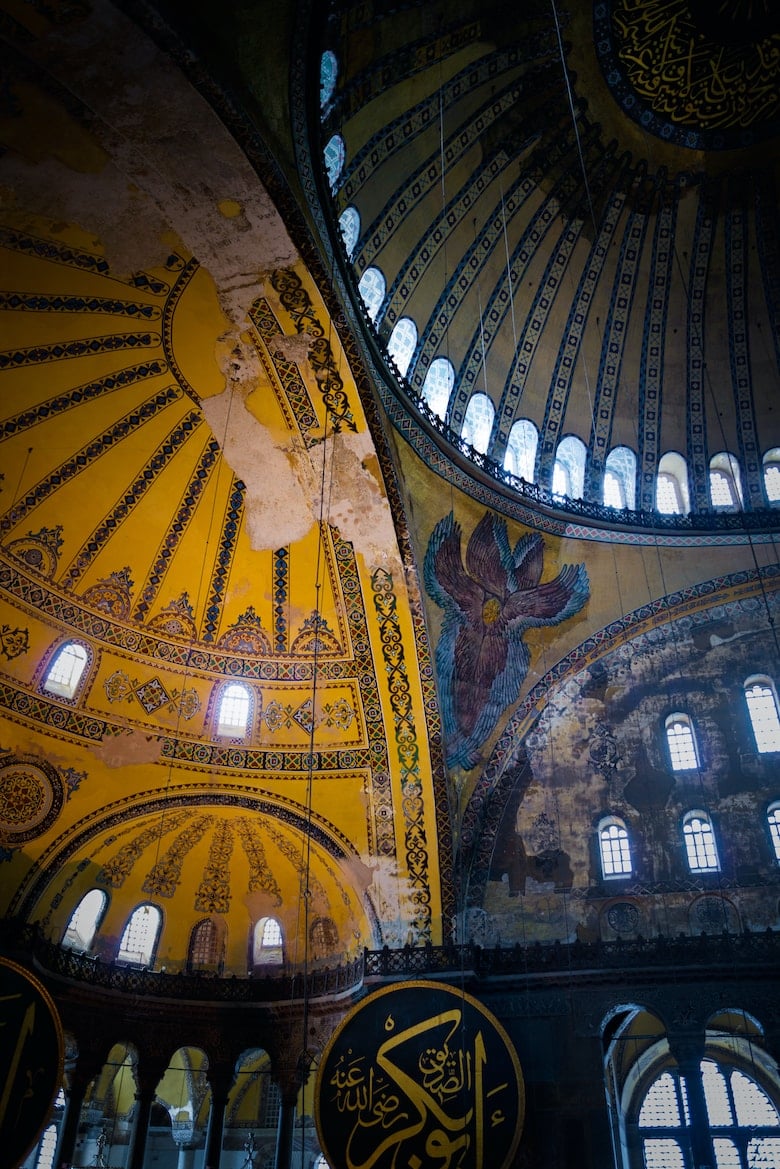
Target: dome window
point(569, 469)
point(372, 289)
point(66, 670)
point(700, 848)
point(335, 154)
point(329, 71)
point(85, 920)
point(478, 423)
point(614, 848)
point(681, 743)
point(139, 941)
point(438, 385)
point(762, 708)
point(725, 482)
point(402, 343)
point(235, 707)
point(520, 454)
point(267, 943)
point(349, 226)
point(620, 478)
point(772, 475)
point(671, 486)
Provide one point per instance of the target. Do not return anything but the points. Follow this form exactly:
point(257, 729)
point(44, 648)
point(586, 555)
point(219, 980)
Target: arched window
point(66, 669)
point(372, 289)
point(520, 454)
point(620, 478)
point(700, 846)
point(478, 422)
point(349, 225)
point(139, 941)
point(85, 920)
point(438, 385)
point(323, 936)
point(402, 343)
point(329, 69)
point(204, 945)
point(773, 823)
point(614, 848)
point(772, 475)
point(681, 742)
point(569, 468)
point(267, 944)
point(671, 488)
point(234, 709)
point(725, 481)
point(762, 707)
point(743, 1121)
point(335, 154)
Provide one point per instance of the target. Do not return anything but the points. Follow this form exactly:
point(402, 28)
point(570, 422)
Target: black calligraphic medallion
point(419, 1076)
point(31, 1060)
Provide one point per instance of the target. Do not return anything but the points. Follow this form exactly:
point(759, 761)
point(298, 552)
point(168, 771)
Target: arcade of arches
point(389, 586)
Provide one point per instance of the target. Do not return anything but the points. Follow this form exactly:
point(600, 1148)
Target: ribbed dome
point(594, 248)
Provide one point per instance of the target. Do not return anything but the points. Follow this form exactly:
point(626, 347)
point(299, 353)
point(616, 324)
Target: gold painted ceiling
point(199, 485)
point(191, 492)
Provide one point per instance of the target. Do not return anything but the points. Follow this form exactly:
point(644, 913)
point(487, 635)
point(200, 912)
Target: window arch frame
point(225, 730)
point(125, 959)
point(733, 1041)
point(770, 469)
point(723, 469)
point(756, 719)
point(264, 953)
point(349, 229)
point(674, 749)
point(695, 843)
point(211, 960)
point(403, 359)
point(372, 304)
point(571, 456)
point(97, 918)
point(334, 156)
point(66, 690)
point(434, 386)
point(673, 468)
point(522, 453)
point(475, 430)
point(621, 464)
point(624, 850)
point(329, 74)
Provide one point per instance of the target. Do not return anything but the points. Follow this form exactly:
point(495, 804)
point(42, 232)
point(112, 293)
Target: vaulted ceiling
point(209, 474)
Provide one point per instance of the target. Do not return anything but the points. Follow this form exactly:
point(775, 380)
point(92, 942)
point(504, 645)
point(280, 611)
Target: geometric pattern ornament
point(419, 1074)
point(31, 797)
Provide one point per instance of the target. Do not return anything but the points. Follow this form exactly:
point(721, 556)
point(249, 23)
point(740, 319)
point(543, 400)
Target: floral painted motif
point(488, 605)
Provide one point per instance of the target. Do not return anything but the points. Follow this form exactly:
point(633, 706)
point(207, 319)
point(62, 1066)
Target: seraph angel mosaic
point(488, 605)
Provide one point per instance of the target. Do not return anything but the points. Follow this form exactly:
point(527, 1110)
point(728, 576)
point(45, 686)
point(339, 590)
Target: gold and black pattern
point(213, 895)
point(164, 877)
point(118, 868)
point(261, 878)
point(385, 603)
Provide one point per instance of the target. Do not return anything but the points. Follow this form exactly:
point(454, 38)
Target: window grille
point(66, 670)
point(700, 843)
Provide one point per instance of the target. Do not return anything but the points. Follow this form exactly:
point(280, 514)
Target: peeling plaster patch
point(165, 138)
point(61, 195)
point(293, 347)
point(278, 503)
point(261, 904)
point(358, 506)
point(128, 748)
